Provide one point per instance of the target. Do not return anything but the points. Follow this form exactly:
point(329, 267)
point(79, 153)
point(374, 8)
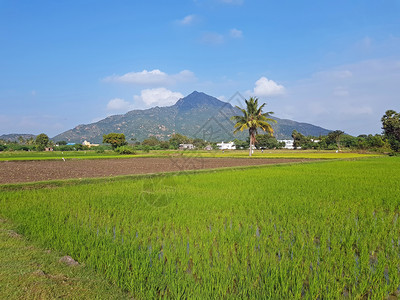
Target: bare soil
point(31, 171)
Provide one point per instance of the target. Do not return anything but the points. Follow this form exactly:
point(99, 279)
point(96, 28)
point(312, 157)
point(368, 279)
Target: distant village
point(220, 146)
point(231, 146)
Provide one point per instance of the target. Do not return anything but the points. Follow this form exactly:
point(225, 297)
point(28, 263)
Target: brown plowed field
point(30, 171)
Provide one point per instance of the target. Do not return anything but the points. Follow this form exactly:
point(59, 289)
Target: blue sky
point(335, 64)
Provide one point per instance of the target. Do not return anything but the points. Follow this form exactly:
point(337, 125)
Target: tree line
point(338, 140)
point(388, 141)
point(252, 119)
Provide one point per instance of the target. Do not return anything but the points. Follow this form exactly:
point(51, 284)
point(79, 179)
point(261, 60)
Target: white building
point(186, 146)
point(86, 143)
point(226, 146)
point(288, 143)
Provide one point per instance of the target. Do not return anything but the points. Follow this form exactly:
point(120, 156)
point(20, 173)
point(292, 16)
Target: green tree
point(302, 141)
point(374, 141)
point(252, 119)
point(297, 139)
point(164, 145)
point(199, 143)
point(391, 129)
point(177, 139)
point(240, 144)
point(335, 136)
point(30, 141)
point(115, 139)
point(267, 141)
point(41, 141)
point(348, 141)
point(151, 141)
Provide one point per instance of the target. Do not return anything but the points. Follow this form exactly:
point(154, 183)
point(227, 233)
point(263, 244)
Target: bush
point(146, 149)
point(3, 147)
point(332, 147)
point(65, 148)
point(17, 147)
point(79, 147)
point(125, 150)
point(394, 154)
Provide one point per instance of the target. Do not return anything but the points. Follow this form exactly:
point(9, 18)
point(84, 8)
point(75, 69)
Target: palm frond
point(253, 118)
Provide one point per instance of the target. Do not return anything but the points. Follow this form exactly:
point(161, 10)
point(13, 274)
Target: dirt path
point(29, 171)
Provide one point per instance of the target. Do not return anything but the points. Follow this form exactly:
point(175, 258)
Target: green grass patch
point(31, 272)
point(282, 154)
point(58, 155)
point(319, 230)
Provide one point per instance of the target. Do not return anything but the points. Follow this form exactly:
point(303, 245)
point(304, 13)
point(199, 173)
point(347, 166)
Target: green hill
point(196, 115)
point(14, 137)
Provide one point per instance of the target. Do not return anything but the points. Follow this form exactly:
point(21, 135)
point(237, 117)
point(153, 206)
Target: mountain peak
point(198, 99)
point(195, 93)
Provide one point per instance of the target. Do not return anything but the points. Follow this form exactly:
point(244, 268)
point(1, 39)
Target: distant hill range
point(14, 137)
point(197, 115)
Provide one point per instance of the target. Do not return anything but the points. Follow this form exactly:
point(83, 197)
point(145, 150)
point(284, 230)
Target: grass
point(282, 154)
point(31, 272)
point(317, 230)
point(58, 155)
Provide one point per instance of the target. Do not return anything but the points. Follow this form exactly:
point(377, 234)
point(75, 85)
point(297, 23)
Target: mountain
point(14, 137)
point(197, 115)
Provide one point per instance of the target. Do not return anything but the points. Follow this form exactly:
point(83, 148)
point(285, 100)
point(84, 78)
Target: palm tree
point(252, 119)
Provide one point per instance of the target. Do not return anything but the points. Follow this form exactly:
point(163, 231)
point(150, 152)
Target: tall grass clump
point(322, 230)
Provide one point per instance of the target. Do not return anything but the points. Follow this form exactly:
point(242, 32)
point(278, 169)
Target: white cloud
point(315, 108)
point(158, 97)
point(118, 104)
point(235, 33)
point(265, 87)
point(215, 38)
point(188, 20)
point(33, 124)
point(149, 97)
point(152, 78)
point(365, 44)
point(212, 38)
point(341, 92)
point(350, 97)
point(343, 74)
point(222, 98)
point(356, 110)
point(337, 74)
point(234, 2)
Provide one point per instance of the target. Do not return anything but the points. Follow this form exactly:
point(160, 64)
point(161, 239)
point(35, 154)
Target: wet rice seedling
point(322, 230)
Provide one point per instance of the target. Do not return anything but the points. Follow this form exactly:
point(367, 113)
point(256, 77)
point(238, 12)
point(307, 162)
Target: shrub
point(65, 148)
point(146, 149)
point(17, 147)
point(125, 150)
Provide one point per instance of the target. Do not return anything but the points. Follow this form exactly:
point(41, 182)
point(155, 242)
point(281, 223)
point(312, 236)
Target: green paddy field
point(317, 230)
point(90, 154)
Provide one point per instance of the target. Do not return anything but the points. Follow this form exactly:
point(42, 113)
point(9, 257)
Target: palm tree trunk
point(251, 143)
point(250, 146)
